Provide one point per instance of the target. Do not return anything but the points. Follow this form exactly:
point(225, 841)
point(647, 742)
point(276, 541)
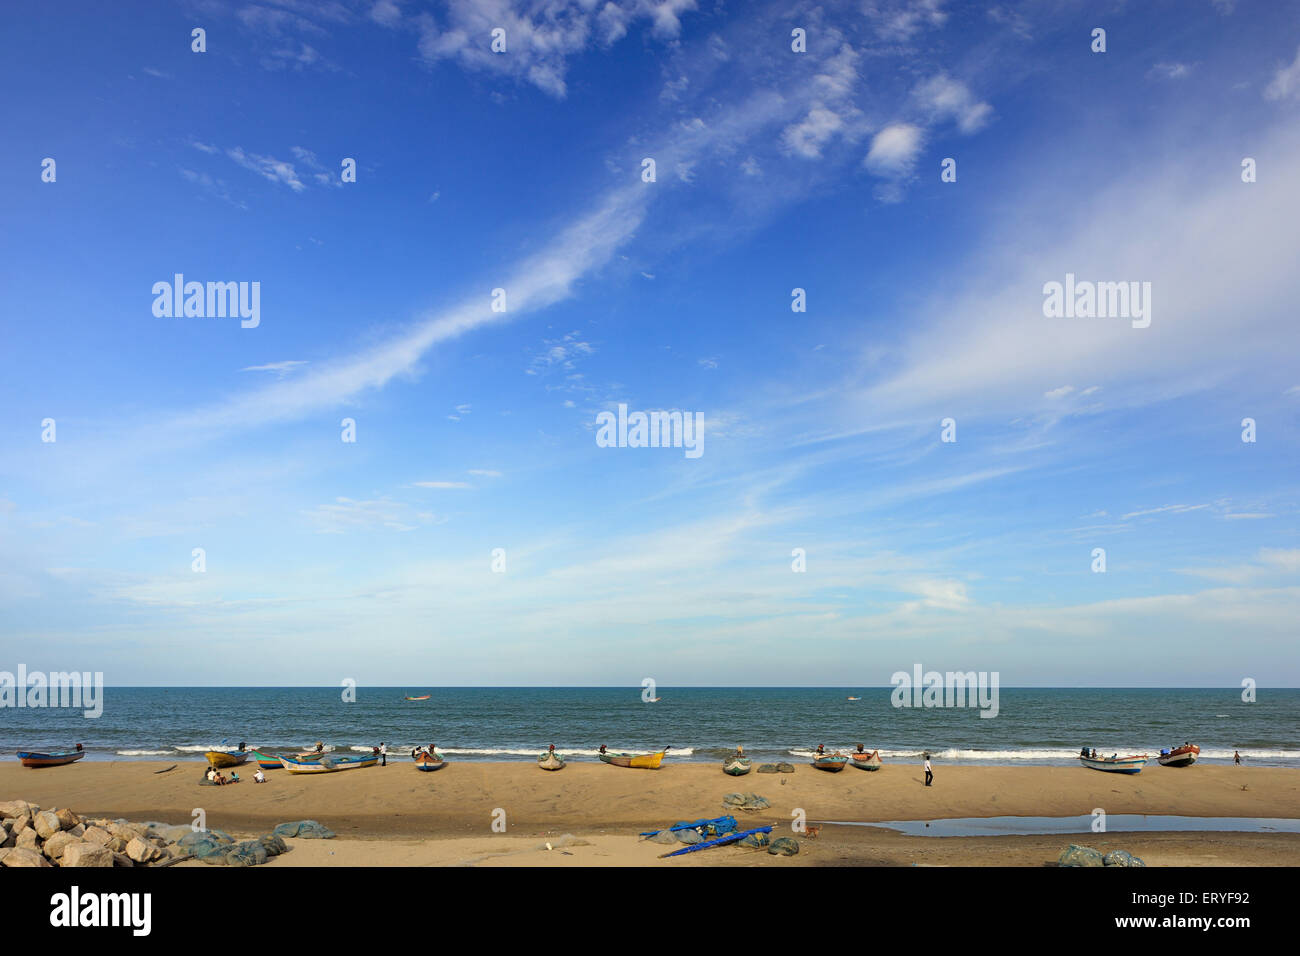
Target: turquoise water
point(1033, 726)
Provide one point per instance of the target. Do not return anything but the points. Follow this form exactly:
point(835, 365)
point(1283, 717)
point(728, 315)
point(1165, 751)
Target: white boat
point(1131, 764)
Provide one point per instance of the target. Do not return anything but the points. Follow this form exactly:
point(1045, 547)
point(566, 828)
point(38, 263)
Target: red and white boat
point(1184, 756)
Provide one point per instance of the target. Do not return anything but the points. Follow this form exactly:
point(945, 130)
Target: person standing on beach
point(929, 774)
point(383, 754)
point(1236, 758)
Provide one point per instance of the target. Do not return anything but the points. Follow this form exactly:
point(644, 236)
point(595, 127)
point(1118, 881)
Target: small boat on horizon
point(852, 698)
point(1183, 756)
point(636, 761)
point(425, 697)
point(1116, 764)
point(35, 760)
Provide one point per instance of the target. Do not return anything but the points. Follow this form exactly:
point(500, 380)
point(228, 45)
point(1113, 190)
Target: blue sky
point(475, 429)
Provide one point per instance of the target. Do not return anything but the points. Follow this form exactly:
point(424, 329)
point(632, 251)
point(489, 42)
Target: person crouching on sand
point(259, 777)
point(929, 774)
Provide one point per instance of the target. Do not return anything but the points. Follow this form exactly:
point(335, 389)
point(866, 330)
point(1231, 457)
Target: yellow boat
point(222, 758)
point(636, 761)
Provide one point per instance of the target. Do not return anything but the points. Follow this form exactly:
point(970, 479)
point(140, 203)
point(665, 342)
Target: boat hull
point(736, 766)
point(429, 764)
point(869, 761)
point(635, 761)
point(222, 759)
point(37, 760)
point(550, 761)
point(1118, 765)
point(328, 765)
point(266, 761)
point(1182, 757)
point(830, 764)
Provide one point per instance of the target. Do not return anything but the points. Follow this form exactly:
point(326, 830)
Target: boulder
point(28, 840)
point(56, 845)
point(117, 844)
point(784, 846)
point(127, 831)
point(80, 853)
point(97, 835)
point(173, 834)
point(19, 809)
point(1121, 858)
point(1074, 855)
point(79, 830)
point(121, 859)
point(4, 834)
point(304, 830)
point(4, 852)
point(47, 824)
point(21, 856)
point(141, 851)
point(67, 819)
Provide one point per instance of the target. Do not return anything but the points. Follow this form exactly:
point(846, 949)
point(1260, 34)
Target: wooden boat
point(266, 761)
point(56, 759)
point(637, 761)
point(1183, 756)
point(1130, 764)
point(831, 762)
point(328, 764)
point(852, 698)
point(550, 761)
point(222, 759)
point(736, 765)
point(869, 761)
point(429, 762)
point(425, 697)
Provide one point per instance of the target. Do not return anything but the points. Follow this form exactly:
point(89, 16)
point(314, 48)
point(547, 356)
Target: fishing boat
point(56, 759)
point(425, 697)
point(636, 761)
point(737, 765)
point(221, 759)
point(266, 761)
point(328, 764)
point(429, 762)
point(852, 698)
point(831, 762)
point(865, 761)
point(1131, 764)
point(1183, 756)
point(550, 761)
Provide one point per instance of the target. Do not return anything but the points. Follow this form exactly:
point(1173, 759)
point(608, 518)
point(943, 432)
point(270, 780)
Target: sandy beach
point(591, 813)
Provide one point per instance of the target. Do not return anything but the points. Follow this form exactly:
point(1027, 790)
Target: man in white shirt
point(929, 774)
point(383, 754)
point(259, 777)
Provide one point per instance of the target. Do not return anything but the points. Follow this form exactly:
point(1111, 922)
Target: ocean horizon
point(1044, 726)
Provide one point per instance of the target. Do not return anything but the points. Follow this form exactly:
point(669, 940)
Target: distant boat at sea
point(425, 697)
point(852, 698)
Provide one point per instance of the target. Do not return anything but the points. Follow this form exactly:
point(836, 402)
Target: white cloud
point(268, 167)
point(946, 98)
point(1286, 81)
point(1059, 392)
point(281, 369)
point(894, 149)
point(807, 137)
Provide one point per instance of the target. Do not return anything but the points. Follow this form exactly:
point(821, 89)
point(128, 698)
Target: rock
point(56, 845)
point(247, 853)
point(121, 859)
point(118, 845)
point(1122, 858)
point(19, 810)
point(141, 851)
point(174, 834)
point(86, 854)
point(1074, 855)
point(67, 819)
point(97, 835)
point(47, 824)
point(4, 834)
point(79, 830)
point(784, 846)
point(22, 856)
point(127, 831)
point(304, 830)
point(27, 840)
point(4, 852)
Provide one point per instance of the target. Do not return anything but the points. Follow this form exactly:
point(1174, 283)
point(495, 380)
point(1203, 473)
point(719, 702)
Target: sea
point(1033, 726)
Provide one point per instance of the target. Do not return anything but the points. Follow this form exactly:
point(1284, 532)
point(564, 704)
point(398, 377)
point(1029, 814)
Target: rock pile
point(31, 836)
